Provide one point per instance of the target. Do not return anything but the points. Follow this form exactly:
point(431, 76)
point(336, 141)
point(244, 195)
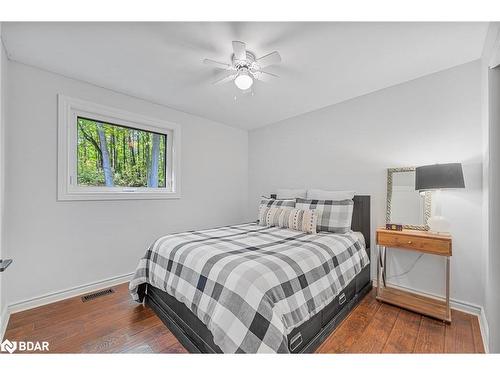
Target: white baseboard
point(67, 293)
point(485, 331)
point(4, 320)
point(460, 306)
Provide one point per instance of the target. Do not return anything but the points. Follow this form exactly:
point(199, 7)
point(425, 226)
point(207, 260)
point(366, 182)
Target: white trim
point(456, 304)
point(4, 320)
point(485, 330)
point(68, 293)
point(494, 53)
point(68, 111)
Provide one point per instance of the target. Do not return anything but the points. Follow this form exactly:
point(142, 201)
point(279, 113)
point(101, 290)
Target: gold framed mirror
point(405, 205)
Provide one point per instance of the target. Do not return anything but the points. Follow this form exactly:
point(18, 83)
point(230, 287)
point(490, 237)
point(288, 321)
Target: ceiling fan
point(245, 67)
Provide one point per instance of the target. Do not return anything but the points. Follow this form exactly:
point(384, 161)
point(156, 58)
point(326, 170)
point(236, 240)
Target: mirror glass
point(405, 205)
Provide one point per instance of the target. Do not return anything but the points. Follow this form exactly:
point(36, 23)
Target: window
point(105, 153)
point(113, 155)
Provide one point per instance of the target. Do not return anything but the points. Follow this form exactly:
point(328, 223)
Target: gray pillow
point(271, 202)
point(333, 216)
point(267, 203)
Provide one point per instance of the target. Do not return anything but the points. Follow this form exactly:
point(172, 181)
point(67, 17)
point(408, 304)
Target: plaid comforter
point(251, 285)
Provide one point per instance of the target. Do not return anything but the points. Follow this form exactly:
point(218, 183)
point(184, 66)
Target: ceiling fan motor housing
point(247, 63)
point(245, 67)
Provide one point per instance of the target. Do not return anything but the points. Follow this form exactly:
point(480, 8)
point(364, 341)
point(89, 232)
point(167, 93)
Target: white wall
point(489, 42)
point(3, 75)
point(490, 90)
point(59, 245)
point(436, 118)
point(493, 264)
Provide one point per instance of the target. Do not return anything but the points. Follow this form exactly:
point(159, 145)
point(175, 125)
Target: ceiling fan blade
point(272, 58)
point(264, 76)
point(224, 73)
point(240, 50)
point(217, 64)
point(229, 75)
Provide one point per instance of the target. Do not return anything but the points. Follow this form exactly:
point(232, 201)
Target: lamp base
point(439, 224)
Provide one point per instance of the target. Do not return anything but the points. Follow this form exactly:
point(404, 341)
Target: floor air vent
point(91, 296)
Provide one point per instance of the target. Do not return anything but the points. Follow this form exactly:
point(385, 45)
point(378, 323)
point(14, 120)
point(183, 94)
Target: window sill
point(111, 196)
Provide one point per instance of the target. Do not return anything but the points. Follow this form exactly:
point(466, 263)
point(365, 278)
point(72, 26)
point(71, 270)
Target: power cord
point(408, 270)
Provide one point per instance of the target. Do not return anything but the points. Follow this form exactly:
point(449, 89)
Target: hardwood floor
point(375, 327)
point(115, 324)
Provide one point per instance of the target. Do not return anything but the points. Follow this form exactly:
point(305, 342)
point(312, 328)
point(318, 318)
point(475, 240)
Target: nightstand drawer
point(425, 244)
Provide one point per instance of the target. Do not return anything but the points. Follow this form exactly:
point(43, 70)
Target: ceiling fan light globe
point(243, 81)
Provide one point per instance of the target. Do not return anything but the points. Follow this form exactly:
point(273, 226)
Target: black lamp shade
point(439, 176)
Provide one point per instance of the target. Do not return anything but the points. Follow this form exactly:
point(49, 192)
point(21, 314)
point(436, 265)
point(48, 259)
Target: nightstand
point(420, 241)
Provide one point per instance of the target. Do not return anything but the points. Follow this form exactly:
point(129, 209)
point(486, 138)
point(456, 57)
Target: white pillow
point(334, 195)
point(290, 193)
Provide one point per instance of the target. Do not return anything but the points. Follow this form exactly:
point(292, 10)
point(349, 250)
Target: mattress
point(251, 286)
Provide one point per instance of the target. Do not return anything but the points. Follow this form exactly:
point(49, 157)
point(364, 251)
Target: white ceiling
point(323, 63)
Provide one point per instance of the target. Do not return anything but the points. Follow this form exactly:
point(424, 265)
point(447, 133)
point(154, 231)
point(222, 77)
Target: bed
point(253, 289)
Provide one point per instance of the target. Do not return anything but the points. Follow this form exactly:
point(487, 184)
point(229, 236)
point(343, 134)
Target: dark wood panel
point(459, 338)
point(116, 324)
point(376, 333)
point(430, 337)
point(352, 328)
point(476, 333)
point(404, 333)
point(361, 218)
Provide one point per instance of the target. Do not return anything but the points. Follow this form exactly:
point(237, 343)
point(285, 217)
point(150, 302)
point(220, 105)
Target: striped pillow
point(333, 216)
point(292, 218)
point(267, 203)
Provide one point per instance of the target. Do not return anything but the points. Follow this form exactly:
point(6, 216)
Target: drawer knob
point(409, 242)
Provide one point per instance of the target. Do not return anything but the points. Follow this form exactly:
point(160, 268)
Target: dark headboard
point(361, 218)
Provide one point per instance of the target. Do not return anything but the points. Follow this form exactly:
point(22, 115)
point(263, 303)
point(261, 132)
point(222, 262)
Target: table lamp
point(435, 178)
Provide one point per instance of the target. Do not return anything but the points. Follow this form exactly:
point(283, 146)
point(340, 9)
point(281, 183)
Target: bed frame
point(196, 338)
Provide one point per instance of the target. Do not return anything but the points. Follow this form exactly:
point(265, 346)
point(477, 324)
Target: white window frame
point(69, 109)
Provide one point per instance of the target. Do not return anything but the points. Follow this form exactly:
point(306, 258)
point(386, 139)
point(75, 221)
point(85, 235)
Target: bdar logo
point(8, 346)
point(24, 346)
